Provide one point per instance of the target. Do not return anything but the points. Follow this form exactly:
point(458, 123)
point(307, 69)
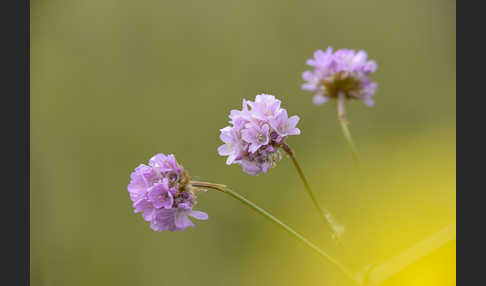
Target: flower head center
point(162, 197)
point(260, 138)
point(342, 83)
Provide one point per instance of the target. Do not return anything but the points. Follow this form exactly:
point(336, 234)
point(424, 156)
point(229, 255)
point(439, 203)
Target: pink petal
point(199, 215)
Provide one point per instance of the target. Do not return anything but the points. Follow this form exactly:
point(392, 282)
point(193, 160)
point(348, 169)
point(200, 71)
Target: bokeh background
point(114, 82)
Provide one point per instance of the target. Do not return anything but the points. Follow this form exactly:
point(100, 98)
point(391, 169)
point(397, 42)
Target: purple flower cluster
point(256, 133)
point(344, 71)
point(162, 192)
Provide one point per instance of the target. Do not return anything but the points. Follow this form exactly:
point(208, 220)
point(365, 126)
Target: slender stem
point(344, 125)
point(228, 191)
point(326, 216)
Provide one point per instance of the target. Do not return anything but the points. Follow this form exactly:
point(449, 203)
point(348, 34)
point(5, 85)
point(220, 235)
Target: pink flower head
point(255, 134)
point(344, 71)
point(162, 192)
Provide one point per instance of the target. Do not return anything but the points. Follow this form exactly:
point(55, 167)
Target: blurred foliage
point(114, 82)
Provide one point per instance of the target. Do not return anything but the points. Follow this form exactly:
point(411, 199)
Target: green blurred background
point(114, 82)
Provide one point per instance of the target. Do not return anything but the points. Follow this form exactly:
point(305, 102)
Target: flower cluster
point(162, 192)
point(256, 133)
point(344, 71)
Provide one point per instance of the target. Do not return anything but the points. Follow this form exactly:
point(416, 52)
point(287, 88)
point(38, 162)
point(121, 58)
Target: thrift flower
point(163, 194)
point(342, 72)
point(256, 133)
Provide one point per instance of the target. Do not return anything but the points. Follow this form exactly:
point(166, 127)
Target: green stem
point(228, 191)
point(326, 216)
point(344, 126)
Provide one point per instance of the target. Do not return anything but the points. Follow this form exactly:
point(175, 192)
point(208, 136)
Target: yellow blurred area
point(437, 268)
point(114, 82)
point(405, 201)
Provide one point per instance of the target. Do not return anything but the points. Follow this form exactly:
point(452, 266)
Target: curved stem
point(344, 126)
point(326, 216)
point(228, 191)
